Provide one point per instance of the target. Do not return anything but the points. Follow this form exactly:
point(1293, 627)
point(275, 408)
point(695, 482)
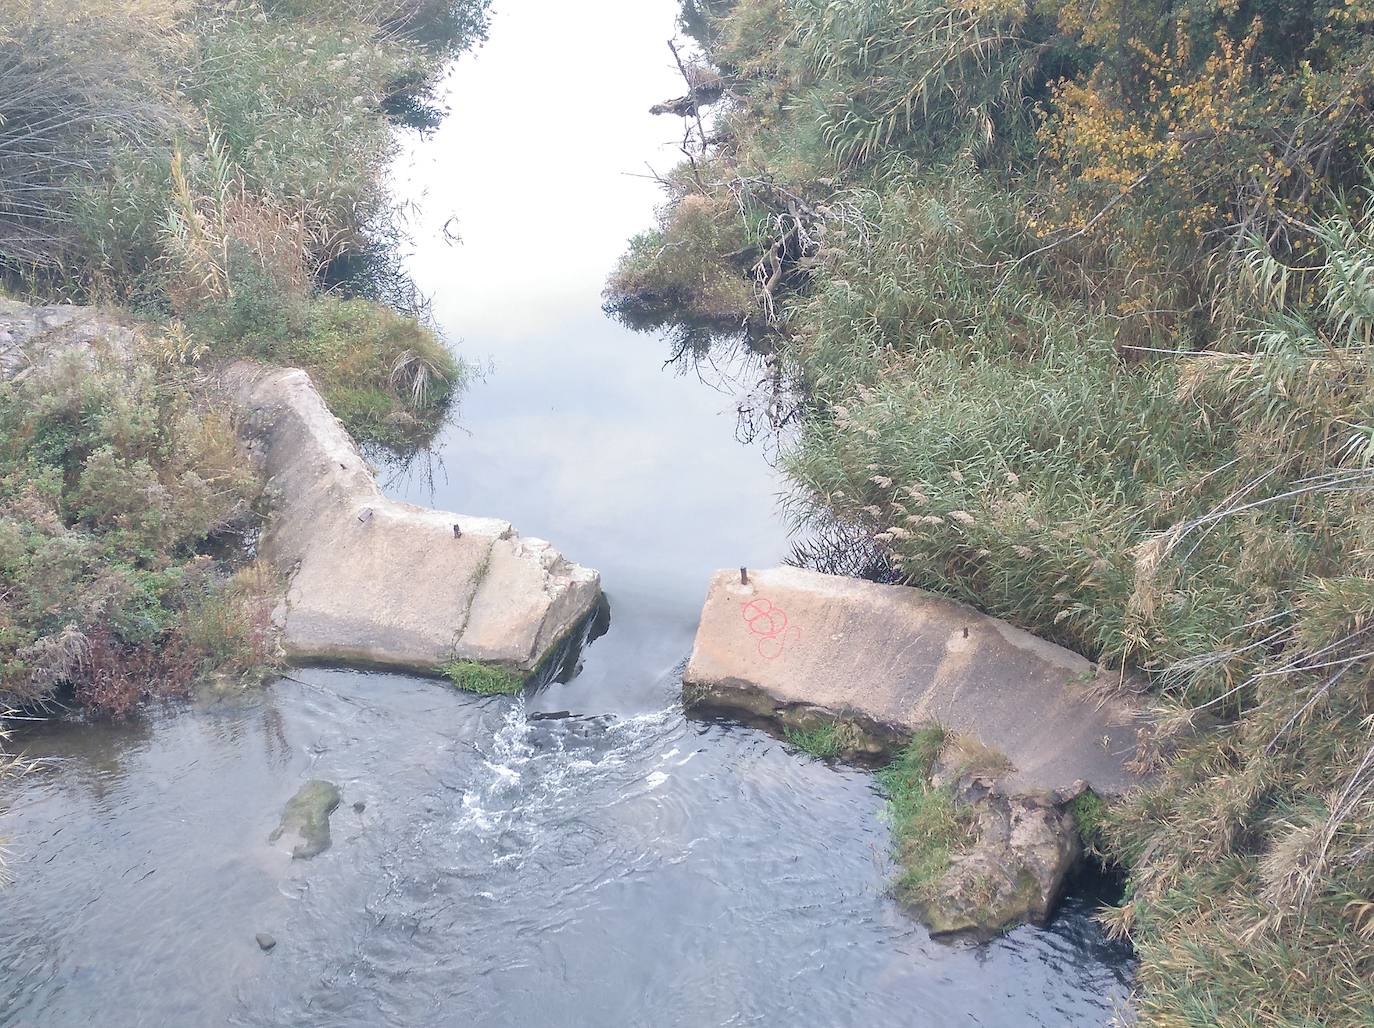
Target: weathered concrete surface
point(377, 581)
point(894, 658)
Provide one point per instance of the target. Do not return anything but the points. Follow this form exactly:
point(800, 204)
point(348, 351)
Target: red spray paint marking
point(770, 624)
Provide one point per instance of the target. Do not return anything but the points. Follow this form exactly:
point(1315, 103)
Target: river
point(585, 855)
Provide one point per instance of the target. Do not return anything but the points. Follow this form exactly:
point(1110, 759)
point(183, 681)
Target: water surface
point(585, 855)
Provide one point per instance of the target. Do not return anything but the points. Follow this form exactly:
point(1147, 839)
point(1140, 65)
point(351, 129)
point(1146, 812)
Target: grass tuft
point(483, 679)
point(826, 741)
point(1088, 810)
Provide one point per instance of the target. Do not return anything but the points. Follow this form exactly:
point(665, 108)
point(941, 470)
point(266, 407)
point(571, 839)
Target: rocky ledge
point(801, 649)
point(379, 582)
point(32, 337)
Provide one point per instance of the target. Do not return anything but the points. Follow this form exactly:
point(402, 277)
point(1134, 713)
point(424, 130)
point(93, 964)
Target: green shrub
point(295, 106)
point(84, 107)
point(113, 476)
point(98, 105)
point(386, 377)
point(228, 627)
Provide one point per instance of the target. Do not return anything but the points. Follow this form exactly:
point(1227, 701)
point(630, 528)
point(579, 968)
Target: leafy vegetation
point(1089, 811)
point(224, 163)
point(387, 377)
point(1072, 301)
point(483, 679)
point(116, 114)
point(114, 474)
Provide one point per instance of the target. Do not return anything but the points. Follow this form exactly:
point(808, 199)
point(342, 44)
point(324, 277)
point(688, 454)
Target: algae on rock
point(977, 857)
point(305, 819)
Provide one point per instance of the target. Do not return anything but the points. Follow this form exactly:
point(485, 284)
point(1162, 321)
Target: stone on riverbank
point(32, 337)
point(305, 819)
point(1024, 848)
point(794, 647)
point(380, 582)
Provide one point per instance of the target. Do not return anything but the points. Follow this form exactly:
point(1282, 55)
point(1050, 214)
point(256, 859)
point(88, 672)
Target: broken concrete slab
point(371, 580)
point(380, 582)
point(892, 659)
point(1027, 725)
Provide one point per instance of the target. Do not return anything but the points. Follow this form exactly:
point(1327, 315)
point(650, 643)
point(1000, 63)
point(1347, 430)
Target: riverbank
point(1069, 303)
point(993, 739)
point(213, 180)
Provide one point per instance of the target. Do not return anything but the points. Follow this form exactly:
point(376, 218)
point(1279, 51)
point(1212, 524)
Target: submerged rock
point(265, 942)
point(377, 581)
point(798, 648)
point(305, 819)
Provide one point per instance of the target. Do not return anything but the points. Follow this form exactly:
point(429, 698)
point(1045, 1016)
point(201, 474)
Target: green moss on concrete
point(926, 825)
point(483, 679)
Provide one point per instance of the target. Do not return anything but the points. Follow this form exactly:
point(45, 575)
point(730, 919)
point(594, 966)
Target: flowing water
point(585, 855)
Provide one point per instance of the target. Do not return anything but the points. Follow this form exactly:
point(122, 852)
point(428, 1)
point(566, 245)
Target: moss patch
point(306, 819)
point(483, 679)
point(388, 378)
